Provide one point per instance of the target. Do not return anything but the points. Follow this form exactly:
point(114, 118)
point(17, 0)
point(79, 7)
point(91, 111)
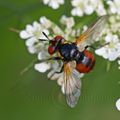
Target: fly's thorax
point(68, 51)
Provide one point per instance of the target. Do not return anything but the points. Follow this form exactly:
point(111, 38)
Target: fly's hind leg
point(77, 33)
point(88, 46)
point(95, 48)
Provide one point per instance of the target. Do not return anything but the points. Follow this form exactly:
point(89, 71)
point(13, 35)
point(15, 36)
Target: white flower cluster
point(53, 3)
point(87, 7)
point(112, 50)
point(32, 35)
point(111, 33)
point(114, 6)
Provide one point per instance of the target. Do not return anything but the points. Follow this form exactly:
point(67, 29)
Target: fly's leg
point(55, 58)
point(37, 61)
point(95, 48)
point(52, 58)
point(77, 33)
point(103, 45)
point(61, 70)
point(88, 46)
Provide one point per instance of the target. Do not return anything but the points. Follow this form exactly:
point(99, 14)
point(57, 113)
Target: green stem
point(28, 67)
point(108, 66)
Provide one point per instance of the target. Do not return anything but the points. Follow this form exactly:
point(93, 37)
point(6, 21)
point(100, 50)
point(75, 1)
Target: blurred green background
point(32, 96)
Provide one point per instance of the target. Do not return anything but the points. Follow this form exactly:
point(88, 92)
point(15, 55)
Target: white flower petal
point(108, 37)
point(75, 2)
point(101, 10)
point(42, 67)
point(46, 1)
point(63, 89)
point(46, 32)
point(85, 27)
point(55, 65)
point(32, 49)
point(119, 62)
point(81, 75)
point(30, 41)
point(54, 4)
point(61, 1)
point(89, 10)
point(50, 74)
point(100, 51)
point(45, 22)
point(57, 30)
point(60, 80)
point(55, 76)
point(81, 7)
point(112, 56)
point(77, 12)
point(115, 38)
point(68, 21)
point(29, 28)
point(24, 35)
point(36, 24)
point(118, 104)
point(42, 55)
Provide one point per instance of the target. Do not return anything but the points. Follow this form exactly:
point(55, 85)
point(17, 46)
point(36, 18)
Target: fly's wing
point(92, 32)
point(72, 84)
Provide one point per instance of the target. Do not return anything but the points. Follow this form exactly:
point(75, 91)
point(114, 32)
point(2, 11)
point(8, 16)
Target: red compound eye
point(51, 49)
point(58, 37)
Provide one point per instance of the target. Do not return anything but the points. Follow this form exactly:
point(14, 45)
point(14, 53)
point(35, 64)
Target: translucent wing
point(92, 32)
point(72, 84)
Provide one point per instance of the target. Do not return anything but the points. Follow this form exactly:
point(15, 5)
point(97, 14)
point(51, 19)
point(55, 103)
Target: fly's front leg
point(52, 58)
point(37, 61)
point(61, 70)
point(55, 58)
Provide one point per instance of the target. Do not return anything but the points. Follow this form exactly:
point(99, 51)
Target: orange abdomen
point(87, 64)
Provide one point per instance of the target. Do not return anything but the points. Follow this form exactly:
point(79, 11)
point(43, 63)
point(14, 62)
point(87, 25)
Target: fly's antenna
point(46, 36)
point(42, 39)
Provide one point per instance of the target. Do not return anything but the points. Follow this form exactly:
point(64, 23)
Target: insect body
point(85, 60)
point(76, 59)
